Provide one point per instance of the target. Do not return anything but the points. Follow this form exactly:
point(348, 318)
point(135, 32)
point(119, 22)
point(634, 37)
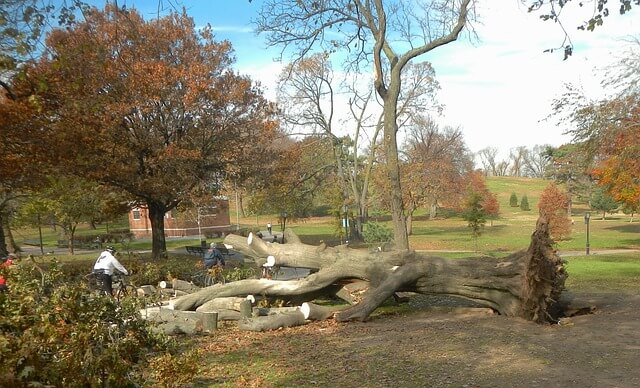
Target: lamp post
point(345, 222)
point(587, 216)
point(284, 223)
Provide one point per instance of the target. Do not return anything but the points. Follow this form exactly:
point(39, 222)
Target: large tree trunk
point(525, 284)
point(156, 218)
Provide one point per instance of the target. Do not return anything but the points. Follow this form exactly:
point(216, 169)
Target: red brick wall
point(178, 227)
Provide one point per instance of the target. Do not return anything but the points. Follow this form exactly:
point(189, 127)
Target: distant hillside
point(503, 186)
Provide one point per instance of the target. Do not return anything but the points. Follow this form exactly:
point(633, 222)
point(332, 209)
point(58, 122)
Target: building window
point(136, 214)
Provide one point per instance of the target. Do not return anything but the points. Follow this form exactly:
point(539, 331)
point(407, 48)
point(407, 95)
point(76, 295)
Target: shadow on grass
point(629, 228)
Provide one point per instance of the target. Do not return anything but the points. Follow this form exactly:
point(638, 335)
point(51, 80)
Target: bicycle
point(120, 285)
point(209, 277)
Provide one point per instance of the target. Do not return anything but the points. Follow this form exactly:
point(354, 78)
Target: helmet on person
point(110, 249)
point(212, 245)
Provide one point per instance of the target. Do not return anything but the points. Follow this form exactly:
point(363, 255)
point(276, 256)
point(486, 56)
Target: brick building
point(214, 221)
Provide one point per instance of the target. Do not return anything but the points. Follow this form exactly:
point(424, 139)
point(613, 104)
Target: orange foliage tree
point(554, 205)
point(153, 108)
point(619, 169)
point(435, 171)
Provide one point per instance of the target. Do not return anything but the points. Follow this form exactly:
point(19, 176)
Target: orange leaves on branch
point(619, 170)
point(554, 205)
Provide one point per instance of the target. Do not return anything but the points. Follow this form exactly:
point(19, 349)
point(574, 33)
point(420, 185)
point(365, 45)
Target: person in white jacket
point(104, 268)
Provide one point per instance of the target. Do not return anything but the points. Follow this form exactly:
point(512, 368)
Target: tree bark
point(182, 322)
point(156, 219)
point(525, 284)
point(272, 322)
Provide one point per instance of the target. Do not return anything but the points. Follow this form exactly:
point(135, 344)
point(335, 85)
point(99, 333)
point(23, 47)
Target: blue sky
point(498, 89)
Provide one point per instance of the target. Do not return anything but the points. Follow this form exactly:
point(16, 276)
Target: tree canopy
point(155, 104)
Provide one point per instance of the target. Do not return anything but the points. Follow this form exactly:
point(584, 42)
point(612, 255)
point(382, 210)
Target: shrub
point(524, 203)
point(513, 200)
point(53, 332)
point(376, 233)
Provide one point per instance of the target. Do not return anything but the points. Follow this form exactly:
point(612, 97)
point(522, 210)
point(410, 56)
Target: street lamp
point(345, 222)
point(284, 221)
point(587, 216)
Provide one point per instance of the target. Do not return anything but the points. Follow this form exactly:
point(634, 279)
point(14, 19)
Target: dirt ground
point(445, 346)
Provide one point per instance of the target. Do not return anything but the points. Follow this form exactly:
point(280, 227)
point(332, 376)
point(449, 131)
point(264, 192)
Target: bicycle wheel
point(219, 278)
point(199, 279)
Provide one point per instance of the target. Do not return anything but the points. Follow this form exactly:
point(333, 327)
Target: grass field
point(510, 232)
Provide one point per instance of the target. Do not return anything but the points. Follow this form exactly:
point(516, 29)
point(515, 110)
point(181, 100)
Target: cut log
point(146, 290)
point(524, 284)
point(264, 311)
point(165, 284)
point(223, 314)
point(272, 322)
point(245, 309)
point(224, 303)
point(182, 322)
point(185, 286)
point(316, 312)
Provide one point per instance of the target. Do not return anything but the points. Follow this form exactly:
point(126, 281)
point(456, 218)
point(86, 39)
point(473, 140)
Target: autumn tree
point(554, 205)
point(603, 202)
point(607, 132)
point(155, 104)
point(385, 34)
point(571, 166)
point(310, 97)
point(298, 179)
point(474, 215)
point(437, 162)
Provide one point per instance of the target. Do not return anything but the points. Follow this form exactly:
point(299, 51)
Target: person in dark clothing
point(213, 257)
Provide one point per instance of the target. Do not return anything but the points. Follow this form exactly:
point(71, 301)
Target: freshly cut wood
point(225, 303)
point(272, 322)
point(317, 312)
point(223, 314)
point(165, 284)
point(146, 290)
point(264, 311)
point(525, 284)
point(182, 322)
point(184, 286)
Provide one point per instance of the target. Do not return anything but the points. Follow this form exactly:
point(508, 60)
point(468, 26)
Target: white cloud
point(500, 90)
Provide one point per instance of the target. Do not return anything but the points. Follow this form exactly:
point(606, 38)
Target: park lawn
point(604, 273)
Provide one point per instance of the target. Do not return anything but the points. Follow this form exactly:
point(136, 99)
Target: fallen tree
point(524, 284)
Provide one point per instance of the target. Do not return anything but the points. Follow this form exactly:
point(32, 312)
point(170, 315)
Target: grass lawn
point(604, 273)
point(509, 233)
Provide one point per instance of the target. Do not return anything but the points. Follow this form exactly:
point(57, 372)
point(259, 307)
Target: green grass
point(604, 273)
point(511, 232)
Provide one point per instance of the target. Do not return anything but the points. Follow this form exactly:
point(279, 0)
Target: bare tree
point(386, 34)
point(537, 161)
point(309, 96)
point(488, 160)
point(517, 156)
